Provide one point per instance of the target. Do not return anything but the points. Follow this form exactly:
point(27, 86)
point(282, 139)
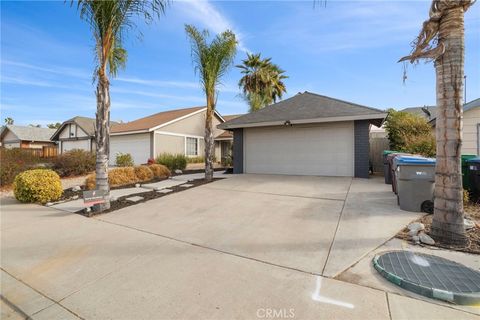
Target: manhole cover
point(430, 276)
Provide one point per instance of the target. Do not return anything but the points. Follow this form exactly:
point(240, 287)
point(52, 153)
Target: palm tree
point(109, 21)
point(8, 120)
point(262, 81)
point(211, 61)
point(442, 40)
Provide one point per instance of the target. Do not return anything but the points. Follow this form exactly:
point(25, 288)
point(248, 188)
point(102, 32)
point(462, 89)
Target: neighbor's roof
point(155, 120)
point(467, 106)
point(422, 111)
point(28, 133)
point(232, 116)
point(306, 107)
point(85, 123)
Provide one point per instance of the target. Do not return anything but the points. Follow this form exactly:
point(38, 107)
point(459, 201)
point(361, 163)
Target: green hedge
point(172, 161)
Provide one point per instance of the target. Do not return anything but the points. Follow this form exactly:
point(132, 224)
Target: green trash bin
point(465, 171)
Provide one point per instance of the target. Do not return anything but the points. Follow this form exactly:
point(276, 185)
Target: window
point(192, 146)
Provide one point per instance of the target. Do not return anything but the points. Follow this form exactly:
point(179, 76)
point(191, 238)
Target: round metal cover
point(431, 276)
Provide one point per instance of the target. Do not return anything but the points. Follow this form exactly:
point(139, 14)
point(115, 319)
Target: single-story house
point(307, 134)
point(179, 131)
point(427, 112)
point(26, 137)
point(471, 127)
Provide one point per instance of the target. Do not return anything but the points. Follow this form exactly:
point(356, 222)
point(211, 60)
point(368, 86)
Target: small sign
point(94, 197)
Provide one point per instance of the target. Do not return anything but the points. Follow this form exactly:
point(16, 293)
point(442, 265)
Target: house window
point(192, 146)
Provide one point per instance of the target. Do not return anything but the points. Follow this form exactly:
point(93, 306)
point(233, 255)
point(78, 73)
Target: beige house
point(76, 133)
point(26, 137)
point(178, 131)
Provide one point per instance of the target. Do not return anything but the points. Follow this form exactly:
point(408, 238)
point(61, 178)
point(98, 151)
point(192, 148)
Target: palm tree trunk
point(448, 226)
point(209, 143)
point(102, 139)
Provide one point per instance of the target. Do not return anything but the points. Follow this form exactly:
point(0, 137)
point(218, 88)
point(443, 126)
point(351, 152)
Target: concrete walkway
point(209, 252)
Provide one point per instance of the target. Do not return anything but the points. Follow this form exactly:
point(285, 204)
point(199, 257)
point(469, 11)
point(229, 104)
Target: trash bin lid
point(413, 160)
point(474, 160)
point(385, 152)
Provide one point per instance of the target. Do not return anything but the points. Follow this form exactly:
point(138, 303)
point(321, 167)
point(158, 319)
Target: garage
point(75, 144)
point(137, 145)
point(321, 150)
point(307, 134)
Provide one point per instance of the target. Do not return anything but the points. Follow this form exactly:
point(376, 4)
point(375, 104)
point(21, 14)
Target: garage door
point(76, 144)
point(325, 150)
point(138, 145)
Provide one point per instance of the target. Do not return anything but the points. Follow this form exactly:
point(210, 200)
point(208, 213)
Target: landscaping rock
point(416, 239)
point(469, 224)
point(49, 204)
point(178, 171)
point(164, 190)
point(416, 226)
point(75, 197)
point(425, 238)
point(413, 233)
point(137, 185)
point(113, 198)
point(134, 198)
point(186, 185)
point(76, 188)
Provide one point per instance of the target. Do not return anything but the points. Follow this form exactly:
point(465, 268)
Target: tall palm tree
point(442, 39)
point(109, 21)
point(262, 81)
point(211, 61)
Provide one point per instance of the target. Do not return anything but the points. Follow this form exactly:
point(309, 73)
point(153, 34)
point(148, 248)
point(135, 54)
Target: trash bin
point(474, 178)
point(415, 183)
point(465, 169)
point(386, 166)
point(392, 165)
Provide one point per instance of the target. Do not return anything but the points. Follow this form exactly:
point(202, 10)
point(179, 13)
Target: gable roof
point(422, 111)
point(85, 123)
point(466, 107)
point(28, 133)
point(306, 107)
point(156, 120)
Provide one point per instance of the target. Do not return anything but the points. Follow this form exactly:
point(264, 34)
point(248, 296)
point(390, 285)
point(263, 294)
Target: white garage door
point(77, 144)
point(138, 145)
point(324, 150)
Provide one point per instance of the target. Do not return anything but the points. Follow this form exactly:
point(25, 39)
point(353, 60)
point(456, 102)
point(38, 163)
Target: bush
point(13, 161)
point(150, 161)
point(38, 185)
point(143, 173)
point(172, 162)
point(74, 163)
point(423, 145)
point(116, 177)
point(195, 159)
point(123, 160)
point(160, 171)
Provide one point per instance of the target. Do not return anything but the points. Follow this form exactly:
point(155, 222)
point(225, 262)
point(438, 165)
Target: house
point(471, 127)
point(178, 131)
point(307, 134)
point(26, 137)
point(426, 112)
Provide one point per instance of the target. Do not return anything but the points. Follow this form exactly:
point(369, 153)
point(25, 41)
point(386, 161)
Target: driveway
point(247, 247)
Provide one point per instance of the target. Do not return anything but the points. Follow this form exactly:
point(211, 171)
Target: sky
point(343, 49)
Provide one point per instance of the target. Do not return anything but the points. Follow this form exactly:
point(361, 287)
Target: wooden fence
point(44, 152)
point(378, 143)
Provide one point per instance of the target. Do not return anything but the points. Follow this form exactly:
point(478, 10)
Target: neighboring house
point(471, 127)
point(224, 141)
point(307, 134)
point(26, 137)
point(76, 133)
point(178, 131)
point(427, 112)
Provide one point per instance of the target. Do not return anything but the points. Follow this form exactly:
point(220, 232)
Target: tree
point(35, 125)
point(262, 81)
point(109, 22)
point(55, 125)
point(442, 39)
point(8, 120)
point(211, 61)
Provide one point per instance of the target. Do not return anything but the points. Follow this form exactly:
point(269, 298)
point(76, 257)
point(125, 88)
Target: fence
point(378, 143)
point(44, 152)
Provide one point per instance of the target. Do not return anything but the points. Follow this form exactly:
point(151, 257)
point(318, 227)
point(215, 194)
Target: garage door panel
point(325, 149)
point(137, 145)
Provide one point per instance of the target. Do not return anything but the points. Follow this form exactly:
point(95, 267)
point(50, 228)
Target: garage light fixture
point(287, 123)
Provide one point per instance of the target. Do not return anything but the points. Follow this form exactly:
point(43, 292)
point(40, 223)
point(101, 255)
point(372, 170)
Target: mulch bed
point(122, 202)
point(472, 212)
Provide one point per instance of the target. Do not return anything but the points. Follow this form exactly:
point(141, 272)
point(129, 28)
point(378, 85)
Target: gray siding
point(238, 151)
point(362, 148)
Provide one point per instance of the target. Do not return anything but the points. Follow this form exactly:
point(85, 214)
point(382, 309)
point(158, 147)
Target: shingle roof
point(28, 133)
point(154, 120)
point(304, 106)
point(467, 106)
point(422, 111)
point(87, 125)
point(232, 116)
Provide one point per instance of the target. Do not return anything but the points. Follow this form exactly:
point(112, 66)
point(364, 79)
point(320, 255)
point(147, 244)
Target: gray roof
point(87, 125)
point(423, 111)
point(304, 108)
point(467, 106)
point(28, 133)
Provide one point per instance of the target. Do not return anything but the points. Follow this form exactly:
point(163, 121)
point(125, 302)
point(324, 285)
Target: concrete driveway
point(248, 247)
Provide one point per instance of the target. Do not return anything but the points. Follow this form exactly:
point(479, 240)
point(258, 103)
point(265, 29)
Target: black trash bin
point(386, 166)
point(474, 178)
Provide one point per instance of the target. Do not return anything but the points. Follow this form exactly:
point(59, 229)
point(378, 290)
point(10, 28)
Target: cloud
point(160, 83)
point(209, 16)
point(50, 69)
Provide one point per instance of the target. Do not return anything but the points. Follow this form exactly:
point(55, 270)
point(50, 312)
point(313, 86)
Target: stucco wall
point(471, 120)
point(9, 138)
point(169, 144)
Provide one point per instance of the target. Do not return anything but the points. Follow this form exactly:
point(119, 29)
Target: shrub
point(423, 145)
point(159, 171)
point(116, 177)
point(172, 162)
point(143, 173)
point(150, 161)
point(198, 159)
point(123, 160)
point(38, 185)
point(227, 161)
point(74, 162)
point(13, 161)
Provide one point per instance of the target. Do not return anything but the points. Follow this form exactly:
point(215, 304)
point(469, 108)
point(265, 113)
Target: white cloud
point(160, 83)
point(210, 17)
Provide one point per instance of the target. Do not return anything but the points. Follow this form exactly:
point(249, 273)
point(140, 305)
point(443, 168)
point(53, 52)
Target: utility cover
point(430, 276)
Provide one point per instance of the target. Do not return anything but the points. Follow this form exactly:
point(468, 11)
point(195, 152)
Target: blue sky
point(346, 50)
